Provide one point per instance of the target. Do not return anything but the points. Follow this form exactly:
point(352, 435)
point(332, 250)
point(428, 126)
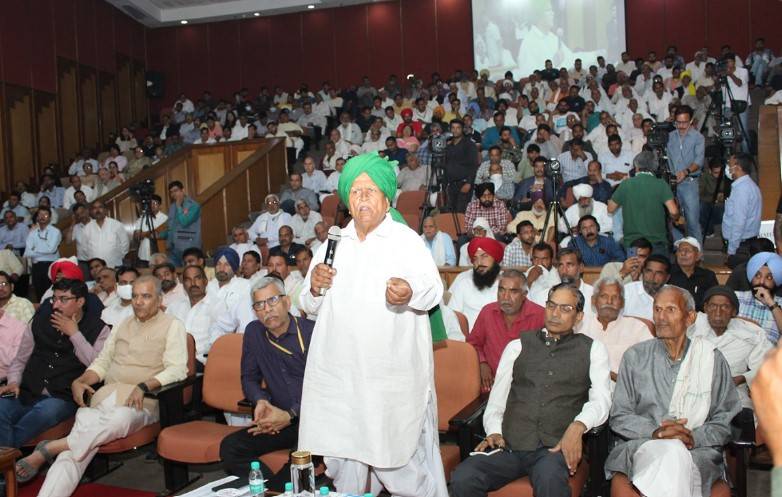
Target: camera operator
point(461, 164)
point(737, 79)
point(142, 232)
point(686, 157)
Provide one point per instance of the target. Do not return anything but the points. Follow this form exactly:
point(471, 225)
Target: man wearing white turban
point(586, 205)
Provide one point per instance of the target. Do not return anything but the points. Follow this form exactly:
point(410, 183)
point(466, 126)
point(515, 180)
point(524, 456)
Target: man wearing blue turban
point(368, 401)
point(764, 272)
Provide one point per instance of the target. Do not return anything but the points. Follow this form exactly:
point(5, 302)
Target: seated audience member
point(574, 161)
point(119, 407)
point(241, 241)
point(499, 172)
point(13, 234)
point(274, 353)
point(142, 230)
point(586, 206)
point(15, 206)
point(413, 176)
point(536, 216)
point(673, 404)
point(743, 344)
point(95, 266)
point(608, 324)
point(487, 206)
point(332, 182)
point(40, 375)
point(539, 420)
point(502, 321)
point(11, 264)
point(595, 249)
point(76, 186)
point(65, 267)
point(17, 307)
point(617, 163)
point(760, 305)
point(251, 268)
point(11, 331)
point(296, 192)
point(229, 295)
point(265, 230)
point(480, 228)
point(601, 189)
point(473, 289)
point(106, 286)
point(570, 269)
point(42, 248)
point(287, 247)
point(312, 179)
point(278, 265)
point(629, 270)
point(303, 223)
point(538, 182)
point(195, 311)
point(639, 295)
point(121, 309)
point(173, 290)
point(321, 234)
point(518, 253)
point(438, 242)
point(687, 272)
point(738, 280)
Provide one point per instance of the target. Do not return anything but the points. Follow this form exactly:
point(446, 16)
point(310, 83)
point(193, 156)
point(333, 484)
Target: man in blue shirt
point(274, 351)
point(596, 249)
point(492, 135)
point(13, 235)
point(686, 154)
point(742, 208)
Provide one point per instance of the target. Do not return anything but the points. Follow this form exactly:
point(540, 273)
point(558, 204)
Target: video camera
point(658, 136)
point(553, 169)
point(437, 145)
point(142, 192)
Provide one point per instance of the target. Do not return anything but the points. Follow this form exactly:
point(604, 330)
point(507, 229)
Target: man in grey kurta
point(644, 389)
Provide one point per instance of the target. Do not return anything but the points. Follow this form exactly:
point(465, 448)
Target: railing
point(229, 180)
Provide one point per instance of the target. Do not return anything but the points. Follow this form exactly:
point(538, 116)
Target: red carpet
point(86, 490)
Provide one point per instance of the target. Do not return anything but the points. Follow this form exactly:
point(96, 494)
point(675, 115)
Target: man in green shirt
point(644, 199)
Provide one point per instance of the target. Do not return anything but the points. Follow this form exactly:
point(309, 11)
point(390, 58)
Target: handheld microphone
point(333, 237)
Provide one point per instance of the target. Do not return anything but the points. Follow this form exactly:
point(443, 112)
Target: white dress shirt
point(115, 313)
point(658, 107)
point(268, 226)
point(231, 307)
point(68, 200)
point(351, 133)
point(315, 181)
point(242, 248)
point(198, 322)
point(611, 163)
point(638, 303)
point(599, 210)
point(304, 230)
point(468, 299)
point(109, 242)
point(144, 250)
point(593, 413)
point(618, 336)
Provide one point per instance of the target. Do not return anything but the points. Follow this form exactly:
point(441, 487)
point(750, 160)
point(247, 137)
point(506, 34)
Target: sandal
point(30, 472)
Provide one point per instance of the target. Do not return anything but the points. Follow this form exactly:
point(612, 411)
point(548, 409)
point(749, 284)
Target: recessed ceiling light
point(257, 14)
point(183, 21)
point(310, 6)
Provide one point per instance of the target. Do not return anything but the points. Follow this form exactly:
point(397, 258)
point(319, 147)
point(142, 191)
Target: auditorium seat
point(60, 430)
point(410, 202)
point(328, 209)
point(621, 487)
point(464, 324)
point(447, 223)
point(198, 442)
point(457, 382)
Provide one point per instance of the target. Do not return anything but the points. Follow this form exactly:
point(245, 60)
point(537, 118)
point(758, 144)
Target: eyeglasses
point(260, 305)
point(272, 202)
point(63, 300)
point(4, 284)
point(564, 308)
point(682, 124)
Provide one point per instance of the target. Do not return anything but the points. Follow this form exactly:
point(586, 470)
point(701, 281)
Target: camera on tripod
point(554, 170)
point(142, 192)
point(658, 135)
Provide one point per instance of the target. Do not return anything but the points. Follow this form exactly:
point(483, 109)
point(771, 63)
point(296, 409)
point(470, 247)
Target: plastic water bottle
point(324, 491)
point(257, 488)
point(288, 490)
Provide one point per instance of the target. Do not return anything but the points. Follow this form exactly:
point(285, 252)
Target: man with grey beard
point(586, 206)
point(639, 295)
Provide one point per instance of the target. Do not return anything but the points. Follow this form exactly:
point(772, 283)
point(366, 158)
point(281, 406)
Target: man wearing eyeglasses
point(65, 336)
point(266, 228)
point(184, 223)
point(274, 351)
point(686, 156)
point(551, 387)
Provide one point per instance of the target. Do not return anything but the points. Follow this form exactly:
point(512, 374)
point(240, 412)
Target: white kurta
point(370, 371)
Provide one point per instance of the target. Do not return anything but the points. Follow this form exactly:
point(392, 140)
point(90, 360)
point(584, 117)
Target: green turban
point(381, 171)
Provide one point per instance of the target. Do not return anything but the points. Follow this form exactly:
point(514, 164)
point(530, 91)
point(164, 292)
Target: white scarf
point(691, 397)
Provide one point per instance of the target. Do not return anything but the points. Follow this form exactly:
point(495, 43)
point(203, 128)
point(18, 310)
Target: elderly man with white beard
point(586, 206)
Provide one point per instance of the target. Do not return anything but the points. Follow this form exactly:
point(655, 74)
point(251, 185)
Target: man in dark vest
point(65, 336)
point(551, 387)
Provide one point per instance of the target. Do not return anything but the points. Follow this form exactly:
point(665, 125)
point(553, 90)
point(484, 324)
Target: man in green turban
point(368, 401)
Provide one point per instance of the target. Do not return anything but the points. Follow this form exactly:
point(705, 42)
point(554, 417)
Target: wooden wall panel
point(258, 186)
point(3, 141)
point(19, 108)
point(88, 98)
point(108, 105)
point(124, 89)
point(213, 215)
point(139, 92)
point(209, 168)
point(45, 105)
point(68, 110)
point(237, 203)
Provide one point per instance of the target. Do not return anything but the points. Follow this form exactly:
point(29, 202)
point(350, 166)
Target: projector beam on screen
point(520, 35)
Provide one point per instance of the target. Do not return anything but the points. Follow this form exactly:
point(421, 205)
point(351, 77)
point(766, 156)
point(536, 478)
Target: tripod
point(436, 185)
point(553, 211)
point(147, 224)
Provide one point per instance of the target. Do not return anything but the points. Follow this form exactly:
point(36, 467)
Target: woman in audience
point(114, 172)
point(407, 139)
point(126, 141)
point(89, 178)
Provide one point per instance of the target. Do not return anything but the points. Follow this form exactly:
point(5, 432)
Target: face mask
point(497, 180)
point(728, 174)
point(125, 292)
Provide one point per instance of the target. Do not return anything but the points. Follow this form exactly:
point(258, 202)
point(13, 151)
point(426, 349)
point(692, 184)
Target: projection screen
point(519, 35)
